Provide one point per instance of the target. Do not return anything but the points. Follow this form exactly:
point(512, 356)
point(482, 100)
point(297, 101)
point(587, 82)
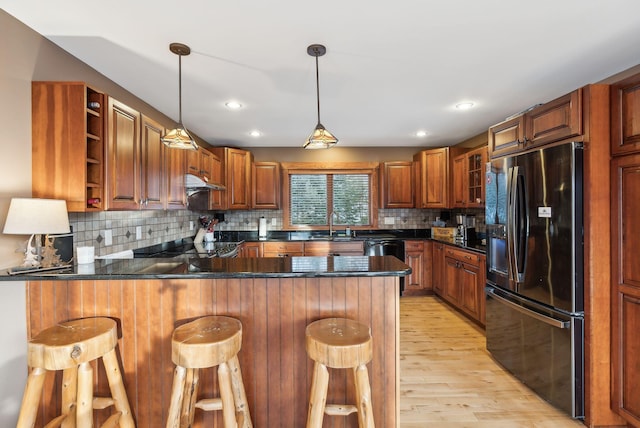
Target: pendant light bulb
point(320, 138)
point(179, 137)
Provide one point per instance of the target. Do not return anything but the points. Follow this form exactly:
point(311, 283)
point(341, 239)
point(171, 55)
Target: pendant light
point(179, 138)
point(320, 138)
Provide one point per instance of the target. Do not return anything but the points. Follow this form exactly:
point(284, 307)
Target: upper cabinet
point(205, 165)
point(68, 144)
point(434, 180)
point(152, 166)
point(397, 188)
point(265, 178)
point(547, 123)
point(468, 178)
point(625, 116)
point(123, 157)
point(237, 178)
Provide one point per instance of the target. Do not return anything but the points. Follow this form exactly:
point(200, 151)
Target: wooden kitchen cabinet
point(464, 281)
point(328, 248)
point(438, 265)
point(204, 164)
point(152, 166)
point(123, 157)
point(544, 124)
point(506, 137)
point(468, 179)
point(265, 181)
point(625, 246)
point(397, 189)
point(237, 178)
point(282, 249)
point(176, 167)
point(418, 255)
point(68, 123)
point(251, 249)
point(625, 116)
point(434, 177)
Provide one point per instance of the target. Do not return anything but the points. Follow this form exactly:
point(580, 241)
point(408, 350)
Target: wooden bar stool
point(71, 346)
point(208, 342)
point(339, 343)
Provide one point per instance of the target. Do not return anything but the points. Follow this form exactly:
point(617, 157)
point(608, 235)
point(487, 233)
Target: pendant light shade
point(179, 138)
point(320, 138)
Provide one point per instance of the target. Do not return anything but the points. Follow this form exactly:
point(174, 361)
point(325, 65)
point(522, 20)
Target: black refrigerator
point(534, 291)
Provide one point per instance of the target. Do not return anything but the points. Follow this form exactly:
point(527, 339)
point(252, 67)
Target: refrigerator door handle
point(517, 227)
point(540, 317)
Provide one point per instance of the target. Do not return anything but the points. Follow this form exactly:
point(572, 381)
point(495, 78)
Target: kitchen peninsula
point(274, 298)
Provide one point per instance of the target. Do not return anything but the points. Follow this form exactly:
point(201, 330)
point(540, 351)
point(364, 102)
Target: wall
point(26, 56)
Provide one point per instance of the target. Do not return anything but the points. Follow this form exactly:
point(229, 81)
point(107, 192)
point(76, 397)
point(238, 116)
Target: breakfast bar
point(274, 298)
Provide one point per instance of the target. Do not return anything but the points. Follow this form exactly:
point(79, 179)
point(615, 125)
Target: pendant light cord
point(180, 89)
point(318, 87)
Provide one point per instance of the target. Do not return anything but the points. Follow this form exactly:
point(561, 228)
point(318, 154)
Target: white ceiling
point(391, 68)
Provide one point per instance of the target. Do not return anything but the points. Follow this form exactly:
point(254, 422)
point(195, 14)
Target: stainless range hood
point(194, 183)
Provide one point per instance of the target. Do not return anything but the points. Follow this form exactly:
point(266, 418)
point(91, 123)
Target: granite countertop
point(184, 267)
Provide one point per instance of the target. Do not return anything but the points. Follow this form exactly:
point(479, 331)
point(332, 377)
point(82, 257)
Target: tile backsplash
point(155, 227)
point(161, 226)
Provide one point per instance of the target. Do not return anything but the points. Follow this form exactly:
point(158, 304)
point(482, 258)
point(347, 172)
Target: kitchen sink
point(162, 267)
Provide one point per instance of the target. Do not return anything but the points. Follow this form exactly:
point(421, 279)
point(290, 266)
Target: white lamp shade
point(29, 216)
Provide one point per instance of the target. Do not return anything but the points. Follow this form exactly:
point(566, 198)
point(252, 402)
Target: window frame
point(293, 168)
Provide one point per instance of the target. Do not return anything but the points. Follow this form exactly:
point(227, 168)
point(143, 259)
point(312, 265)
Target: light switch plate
point(389, 220)
point(138, 232)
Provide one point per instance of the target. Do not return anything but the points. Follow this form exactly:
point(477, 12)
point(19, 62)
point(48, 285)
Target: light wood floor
point(448, 379)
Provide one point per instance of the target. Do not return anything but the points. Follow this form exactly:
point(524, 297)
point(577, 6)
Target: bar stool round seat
point(208, 342)
point(339, 343)
point(71, 346)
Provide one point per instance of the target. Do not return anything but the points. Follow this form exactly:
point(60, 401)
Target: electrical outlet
point(108, 237)
point(191, 225)
point(273, 222)
point(138, 232)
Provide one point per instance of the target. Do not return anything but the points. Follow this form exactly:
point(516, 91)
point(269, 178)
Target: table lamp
point(36, 217)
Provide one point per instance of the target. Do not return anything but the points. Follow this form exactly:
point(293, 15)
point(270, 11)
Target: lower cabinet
point(417, 254)
point(625, 320)
point(250, 250)
point(282, 249)
point(463, 281)
point(324, 249)
point(437, 267)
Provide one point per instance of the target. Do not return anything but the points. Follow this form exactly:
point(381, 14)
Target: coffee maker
point(466, 228)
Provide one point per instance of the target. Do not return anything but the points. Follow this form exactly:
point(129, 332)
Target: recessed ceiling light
point(421, 134)
point(464, 105)
point(233, 105)
point(255, 133)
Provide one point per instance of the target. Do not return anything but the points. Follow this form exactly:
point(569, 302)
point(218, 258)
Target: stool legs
point(116, 386)
point(84, 409)
point(177, 392)
point(318, 399)
point(31, 398)
point(69, 396)
point(363, 397)
point(226, 395)
point(239, 394)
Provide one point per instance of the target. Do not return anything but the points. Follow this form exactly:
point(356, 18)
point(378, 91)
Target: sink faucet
point(331, 222)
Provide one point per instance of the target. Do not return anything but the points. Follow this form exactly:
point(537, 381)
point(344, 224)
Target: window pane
point(351, 199)
point(308, 194)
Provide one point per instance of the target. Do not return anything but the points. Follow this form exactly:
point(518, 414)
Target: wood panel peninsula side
point(274, 298)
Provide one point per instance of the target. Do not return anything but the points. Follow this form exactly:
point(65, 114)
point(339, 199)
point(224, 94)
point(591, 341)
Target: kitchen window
point(317, 194)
